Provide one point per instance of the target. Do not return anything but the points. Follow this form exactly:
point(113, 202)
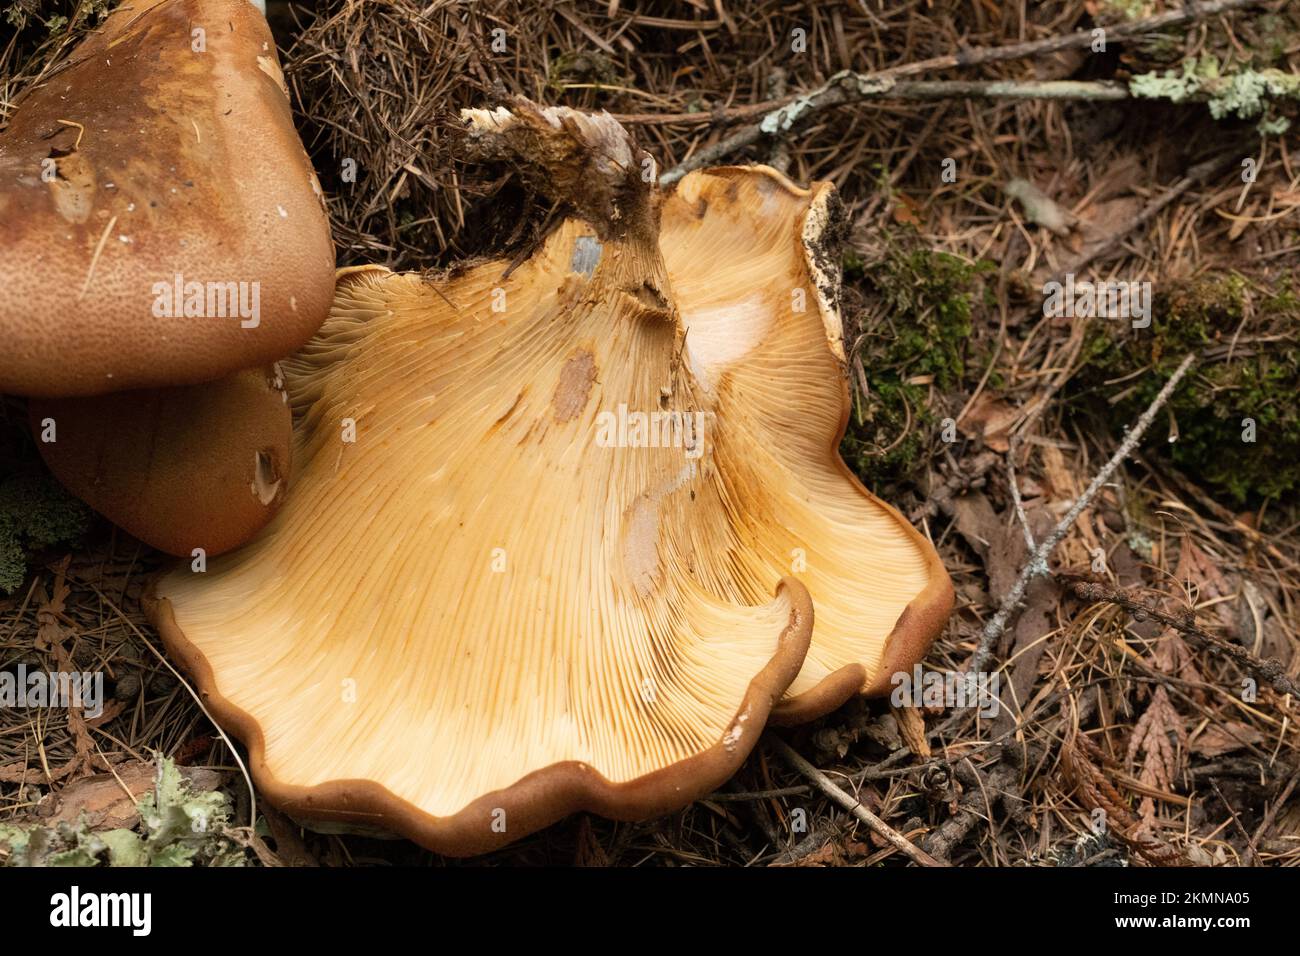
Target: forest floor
point(1124, 738)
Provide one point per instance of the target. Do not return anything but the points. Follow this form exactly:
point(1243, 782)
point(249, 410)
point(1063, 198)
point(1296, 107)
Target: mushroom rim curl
point(534, 801)
point(546, 794)
point(924, 617)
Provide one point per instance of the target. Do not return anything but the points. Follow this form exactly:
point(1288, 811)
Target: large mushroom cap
point(184, 468)
point(469, 610)
point(162, 224)
point(538, 516)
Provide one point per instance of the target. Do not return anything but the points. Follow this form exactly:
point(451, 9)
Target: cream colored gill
point(737, 244)
point(454, 599)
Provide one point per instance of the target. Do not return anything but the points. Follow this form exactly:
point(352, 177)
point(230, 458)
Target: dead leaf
point(990, 419)
point(835, 853)
point(108, 800)
point(1105, 220)
point(1153, 739)
point(998, 540)
point(1171, 655)
point(904, 211)
point(1219, 739)
point(1201, 574)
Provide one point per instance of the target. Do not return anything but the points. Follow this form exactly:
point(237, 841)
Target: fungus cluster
point(563, 533)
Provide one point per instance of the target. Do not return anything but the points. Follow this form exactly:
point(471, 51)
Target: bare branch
point(851, 804)
point(850, 87)
point(1037, 562)
point(1269, 671)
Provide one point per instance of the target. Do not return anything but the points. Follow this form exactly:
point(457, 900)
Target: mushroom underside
point(557, 536)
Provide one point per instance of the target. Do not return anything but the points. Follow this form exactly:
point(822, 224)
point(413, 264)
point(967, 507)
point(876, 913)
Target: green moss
point(853, 265)
point(1277, 38)
point(1256, 380)
point(927, 299)
point(1126, 9)
point(588, 66)
point(35, 513)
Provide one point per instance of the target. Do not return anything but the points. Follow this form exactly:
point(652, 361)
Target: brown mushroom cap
point(144, 168)
point(195, 466)
point(495, 614)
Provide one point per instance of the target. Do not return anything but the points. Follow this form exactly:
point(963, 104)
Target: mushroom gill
point(752, 263)
point(540, 514)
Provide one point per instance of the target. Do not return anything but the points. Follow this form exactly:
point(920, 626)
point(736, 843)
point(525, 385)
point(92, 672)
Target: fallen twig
point(972, 57)
point(1012, 450)
point(1270, 671)
point(850, 87)
point(1037, 562)
point(851, 804)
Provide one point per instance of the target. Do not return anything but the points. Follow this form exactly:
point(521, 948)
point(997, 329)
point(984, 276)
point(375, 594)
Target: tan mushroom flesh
point(193, 470)
point(528, 563)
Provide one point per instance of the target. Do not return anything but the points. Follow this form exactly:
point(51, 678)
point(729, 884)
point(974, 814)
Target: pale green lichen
point(179, 826)
point(784, 119)
point(1245, 94)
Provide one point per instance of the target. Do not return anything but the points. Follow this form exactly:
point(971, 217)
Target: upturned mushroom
point(163, 227)
point(540, 514)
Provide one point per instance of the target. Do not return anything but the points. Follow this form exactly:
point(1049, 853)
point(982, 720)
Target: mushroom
point(193, 470)
point(162, 223)
point(150, 252)
point(540, 513)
